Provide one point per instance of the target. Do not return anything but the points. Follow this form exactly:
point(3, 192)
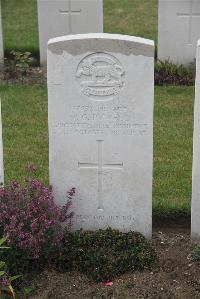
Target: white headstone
point(63, 17)
point(1, 36)
point(178, 30)
point(196, 155)
point(1, 151)
point(100, 92)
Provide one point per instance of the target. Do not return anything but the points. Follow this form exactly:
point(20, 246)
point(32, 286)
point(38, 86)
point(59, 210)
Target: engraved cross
point(70, 12)
point(100, 166)
point(190, 15)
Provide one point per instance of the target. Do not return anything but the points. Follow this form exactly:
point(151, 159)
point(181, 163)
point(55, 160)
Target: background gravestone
point(100, 93)
point(1, 36)
point(63, 17)
point(196, 155)
point(178, 30)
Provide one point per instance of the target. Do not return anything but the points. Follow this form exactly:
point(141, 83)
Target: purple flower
point(30, 218)
point(4, 281)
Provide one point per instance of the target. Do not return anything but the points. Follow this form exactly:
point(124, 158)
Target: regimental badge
point(101, 76)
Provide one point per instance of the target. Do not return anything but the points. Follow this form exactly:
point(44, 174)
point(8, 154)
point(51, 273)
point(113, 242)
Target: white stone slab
point(100, 93)
point(1, 36)
point(196, 155)
point(1, 151)
point(178, 30)
point(63, 17)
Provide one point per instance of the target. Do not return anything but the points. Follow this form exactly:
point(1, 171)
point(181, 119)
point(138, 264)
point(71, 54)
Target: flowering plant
point(31, 220)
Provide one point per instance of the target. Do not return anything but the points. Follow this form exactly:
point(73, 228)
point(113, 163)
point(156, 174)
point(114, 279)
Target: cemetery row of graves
point(92, 143)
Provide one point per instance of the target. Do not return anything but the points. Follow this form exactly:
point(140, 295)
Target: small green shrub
point(105, 254)
point(22, 61)
point(196, 253)
point(17, 65)
point(6, 289)
point(167, 72)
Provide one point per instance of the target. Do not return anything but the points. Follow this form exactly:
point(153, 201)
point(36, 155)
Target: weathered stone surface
point(100, 93)
point(178, 30)
point(196, 155)
point(63, 17)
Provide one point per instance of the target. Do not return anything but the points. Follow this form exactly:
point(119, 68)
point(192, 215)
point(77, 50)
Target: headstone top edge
point(103, 36)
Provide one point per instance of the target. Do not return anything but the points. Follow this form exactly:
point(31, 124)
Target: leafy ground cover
point(134, 17)
point(175, 275)
point(25, 132)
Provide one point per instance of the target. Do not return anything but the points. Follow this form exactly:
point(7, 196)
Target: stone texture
point(100, 97)
point(196, 155)
point(178, 30)
point(1, 36)
point(63, 17)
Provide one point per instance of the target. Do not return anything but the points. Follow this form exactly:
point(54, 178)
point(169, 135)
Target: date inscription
point(102, 119)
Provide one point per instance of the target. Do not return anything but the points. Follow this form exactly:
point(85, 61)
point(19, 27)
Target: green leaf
point(14, 277)
point(28, 291)
point(2, 240)
point(2, 273)
point(2, 264)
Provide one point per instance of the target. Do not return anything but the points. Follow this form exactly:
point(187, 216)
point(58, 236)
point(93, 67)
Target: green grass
point(25, 130)
point(26, 139)
point(20, 25)
point(173, 133)
point(134, 17)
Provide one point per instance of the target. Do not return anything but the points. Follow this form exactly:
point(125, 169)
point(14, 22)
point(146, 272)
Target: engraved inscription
point(100, 166)
point(108, 120)
point(101, 76)
point(103, 221)
point(104, 217)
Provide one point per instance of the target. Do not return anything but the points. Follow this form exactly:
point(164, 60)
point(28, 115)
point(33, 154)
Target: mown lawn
point(25, 133)
point(25, 130)
point(173, 134)
point(134, 17)
point(20, 25)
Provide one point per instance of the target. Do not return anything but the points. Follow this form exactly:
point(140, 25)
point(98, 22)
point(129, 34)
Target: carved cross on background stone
point(190, 15)
point(100, 166)
point(70, 12)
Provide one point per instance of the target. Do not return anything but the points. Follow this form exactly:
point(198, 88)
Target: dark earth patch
point(33, 76)
point(175, 274)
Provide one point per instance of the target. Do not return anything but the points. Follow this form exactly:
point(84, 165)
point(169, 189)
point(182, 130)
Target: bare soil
point(32, 76)
point(175, 274)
